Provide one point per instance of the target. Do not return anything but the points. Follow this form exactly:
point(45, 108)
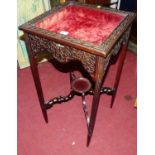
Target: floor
point(115, 131)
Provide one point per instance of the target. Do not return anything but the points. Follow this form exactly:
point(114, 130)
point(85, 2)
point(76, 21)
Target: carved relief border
point(62, 53)
point(122, 40)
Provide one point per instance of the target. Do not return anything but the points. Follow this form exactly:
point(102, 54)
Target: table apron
point(64, 53)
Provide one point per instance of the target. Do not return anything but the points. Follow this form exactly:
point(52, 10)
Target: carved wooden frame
point(41, 40)
point(102, 50)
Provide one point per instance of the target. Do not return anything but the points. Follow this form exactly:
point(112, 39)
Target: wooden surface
point(102, 50)
point(39, 40)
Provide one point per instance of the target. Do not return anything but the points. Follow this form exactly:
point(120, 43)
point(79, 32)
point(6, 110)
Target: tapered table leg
point(95, 103)
point(118, 73)
point(36, 79)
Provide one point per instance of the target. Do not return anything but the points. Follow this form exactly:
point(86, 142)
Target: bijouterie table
point(84, 33)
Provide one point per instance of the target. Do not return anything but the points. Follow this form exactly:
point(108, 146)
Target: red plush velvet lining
point(82, 23)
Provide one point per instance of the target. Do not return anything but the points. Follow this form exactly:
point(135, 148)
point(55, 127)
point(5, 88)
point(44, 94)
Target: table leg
point(95, 103)
point(36, 79)
point(118, 73)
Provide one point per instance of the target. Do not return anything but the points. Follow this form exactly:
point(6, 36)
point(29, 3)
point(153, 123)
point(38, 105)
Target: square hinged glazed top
point(82, 23)
point(81, 26)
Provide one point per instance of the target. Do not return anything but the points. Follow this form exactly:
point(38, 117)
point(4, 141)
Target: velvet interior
point(82, 23)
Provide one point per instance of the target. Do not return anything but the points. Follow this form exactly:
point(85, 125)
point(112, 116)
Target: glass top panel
point(82, 23)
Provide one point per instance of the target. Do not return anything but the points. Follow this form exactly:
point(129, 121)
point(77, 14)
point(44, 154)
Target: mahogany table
point(75, 31)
